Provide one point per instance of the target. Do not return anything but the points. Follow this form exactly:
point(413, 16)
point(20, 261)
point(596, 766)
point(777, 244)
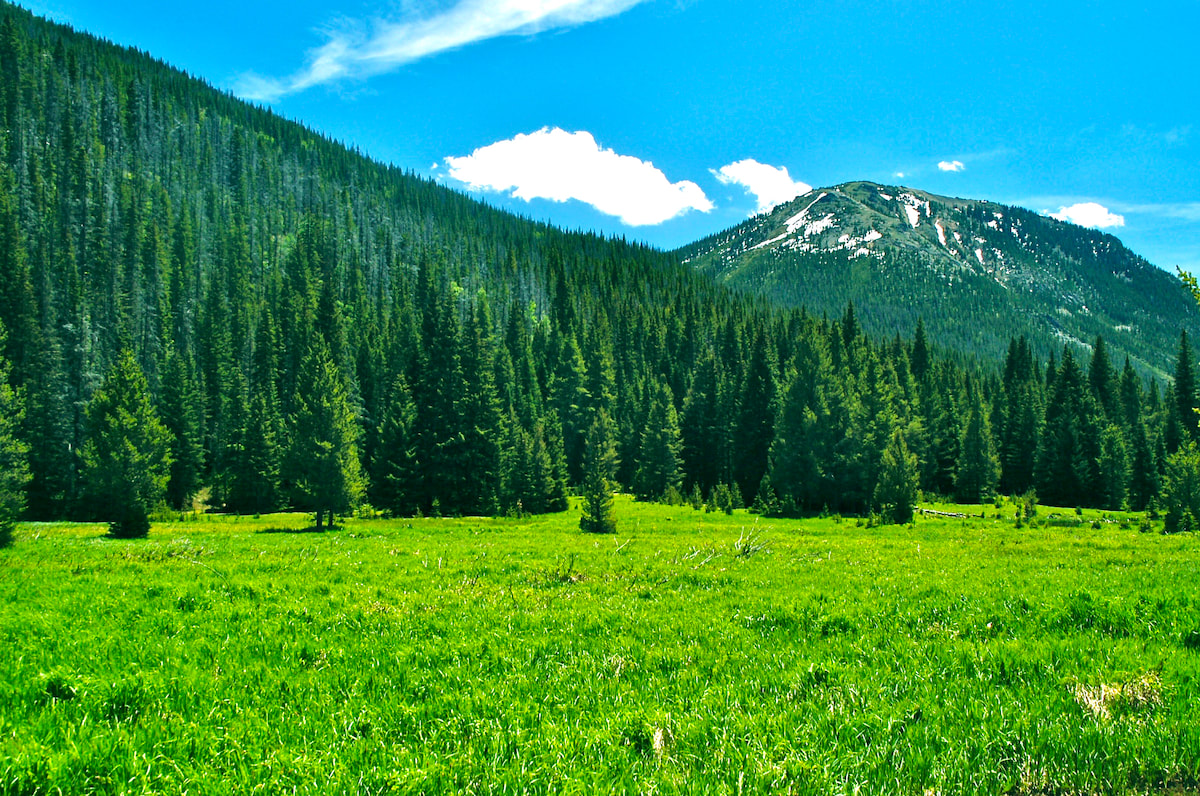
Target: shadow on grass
point(309, 529)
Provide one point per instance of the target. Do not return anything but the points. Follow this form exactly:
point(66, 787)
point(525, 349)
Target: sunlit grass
point(691, 652)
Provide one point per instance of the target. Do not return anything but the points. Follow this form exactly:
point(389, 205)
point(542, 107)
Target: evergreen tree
point(658, 460)
point(49, 430)
point(14, 471)
point(919, 358)
point(323, 460)
point(127, 457)
point(1113, 469)
point(704, 429)
point(599, 467)
point(1103, 380)
point(1143, 470)
point(896, 490)
point(1066, 472)
point(978, 467)
point(255, 461)
point(479, 454)
point(1181, 491)
point(755, 428)
point(1185, 389)
point(183, 415)
point(394, 470)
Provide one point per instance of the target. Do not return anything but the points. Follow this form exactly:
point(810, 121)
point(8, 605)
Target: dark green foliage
point(470, 351)
point(1067, 468)
point(978, 467)
point(1185, 389)
point(394, 469)
point(127, 459)
point(755, 427)
point(254, 474)
point(658, 459)
point(322, 463)
point(14, 469)
point(599, 468)
point(1041, 278)
point(1113, 469)
point(896, 491)
point(183, 415)
point(1181, 491)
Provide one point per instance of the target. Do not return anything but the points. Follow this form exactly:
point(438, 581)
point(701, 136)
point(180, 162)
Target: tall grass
point(693, 652)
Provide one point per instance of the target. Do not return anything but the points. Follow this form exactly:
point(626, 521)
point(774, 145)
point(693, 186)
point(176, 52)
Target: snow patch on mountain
point(912, 208)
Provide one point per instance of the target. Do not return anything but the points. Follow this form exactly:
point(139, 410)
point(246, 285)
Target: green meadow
point(691, 652)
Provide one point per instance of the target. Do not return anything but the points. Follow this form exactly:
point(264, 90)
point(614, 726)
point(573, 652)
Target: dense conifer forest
point(201, 298)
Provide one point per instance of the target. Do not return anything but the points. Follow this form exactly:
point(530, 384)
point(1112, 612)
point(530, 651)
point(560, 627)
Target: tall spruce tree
point(599, 467)
point(14, 470)
point(394, 470)
point(1185, 389)
point(127, 458)
point(896, 490)
point(183, 416)
point(755, 428)
point(658, 458)
point(323, 460)
point(978, 467)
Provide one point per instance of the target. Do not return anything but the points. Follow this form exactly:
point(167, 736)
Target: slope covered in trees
point(311, 329)
point(977, 272)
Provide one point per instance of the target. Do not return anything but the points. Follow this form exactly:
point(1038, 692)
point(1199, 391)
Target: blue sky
point(667, 120)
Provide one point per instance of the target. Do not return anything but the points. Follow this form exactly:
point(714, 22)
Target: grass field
point(692, 652)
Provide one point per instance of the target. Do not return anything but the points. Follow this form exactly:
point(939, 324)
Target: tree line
point(201, 298)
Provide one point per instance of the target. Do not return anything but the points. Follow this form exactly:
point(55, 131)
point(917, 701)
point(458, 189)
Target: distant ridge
point(977, 272)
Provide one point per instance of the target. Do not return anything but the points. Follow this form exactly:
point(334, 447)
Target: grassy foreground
point(692, 652)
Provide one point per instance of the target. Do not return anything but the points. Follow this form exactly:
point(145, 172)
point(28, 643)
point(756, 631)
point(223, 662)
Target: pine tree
point(755, 428)
point(896, 490)
point(599, 467)
point(1185, 389)
point(14, 470)
point(394, 484)
point(705, 430)
point(479, 454)
point(127, 457)
point(978, 467)
point(1181, 491)
point(658, 459)
point(49, 430)
point(183, 415)
point(323, 460)
point(1113, 469)
point(919, 359)
point(1103, 380)
point(254, 472)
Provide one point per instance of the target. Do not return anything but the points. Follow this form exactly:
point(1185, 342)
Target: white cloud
point(771, 185)
point(556, 165)
point(1088, 214)
point(353, 51)
point(951, 165)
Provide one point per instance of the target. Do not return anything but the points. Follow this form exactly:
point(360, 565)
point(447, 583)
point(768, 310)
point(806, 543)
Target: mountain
point(314, 328)
point(978, 273)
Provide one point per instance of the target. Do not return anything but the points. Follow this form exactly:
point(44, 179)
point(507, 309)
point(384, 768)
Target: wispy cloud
point(556, 165)
point(1179, 211)
point(1088, 214)
point(356, 50)
point(951, 165)
point(771, 185)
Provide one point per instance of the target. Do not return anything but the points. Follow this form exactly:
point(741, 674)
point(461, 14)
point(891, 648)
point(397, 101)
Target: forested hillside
point(301, 326)
point(977, 272)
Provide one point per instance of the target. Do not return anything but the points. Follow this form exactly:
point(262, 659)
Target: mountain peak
point(987, 270)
